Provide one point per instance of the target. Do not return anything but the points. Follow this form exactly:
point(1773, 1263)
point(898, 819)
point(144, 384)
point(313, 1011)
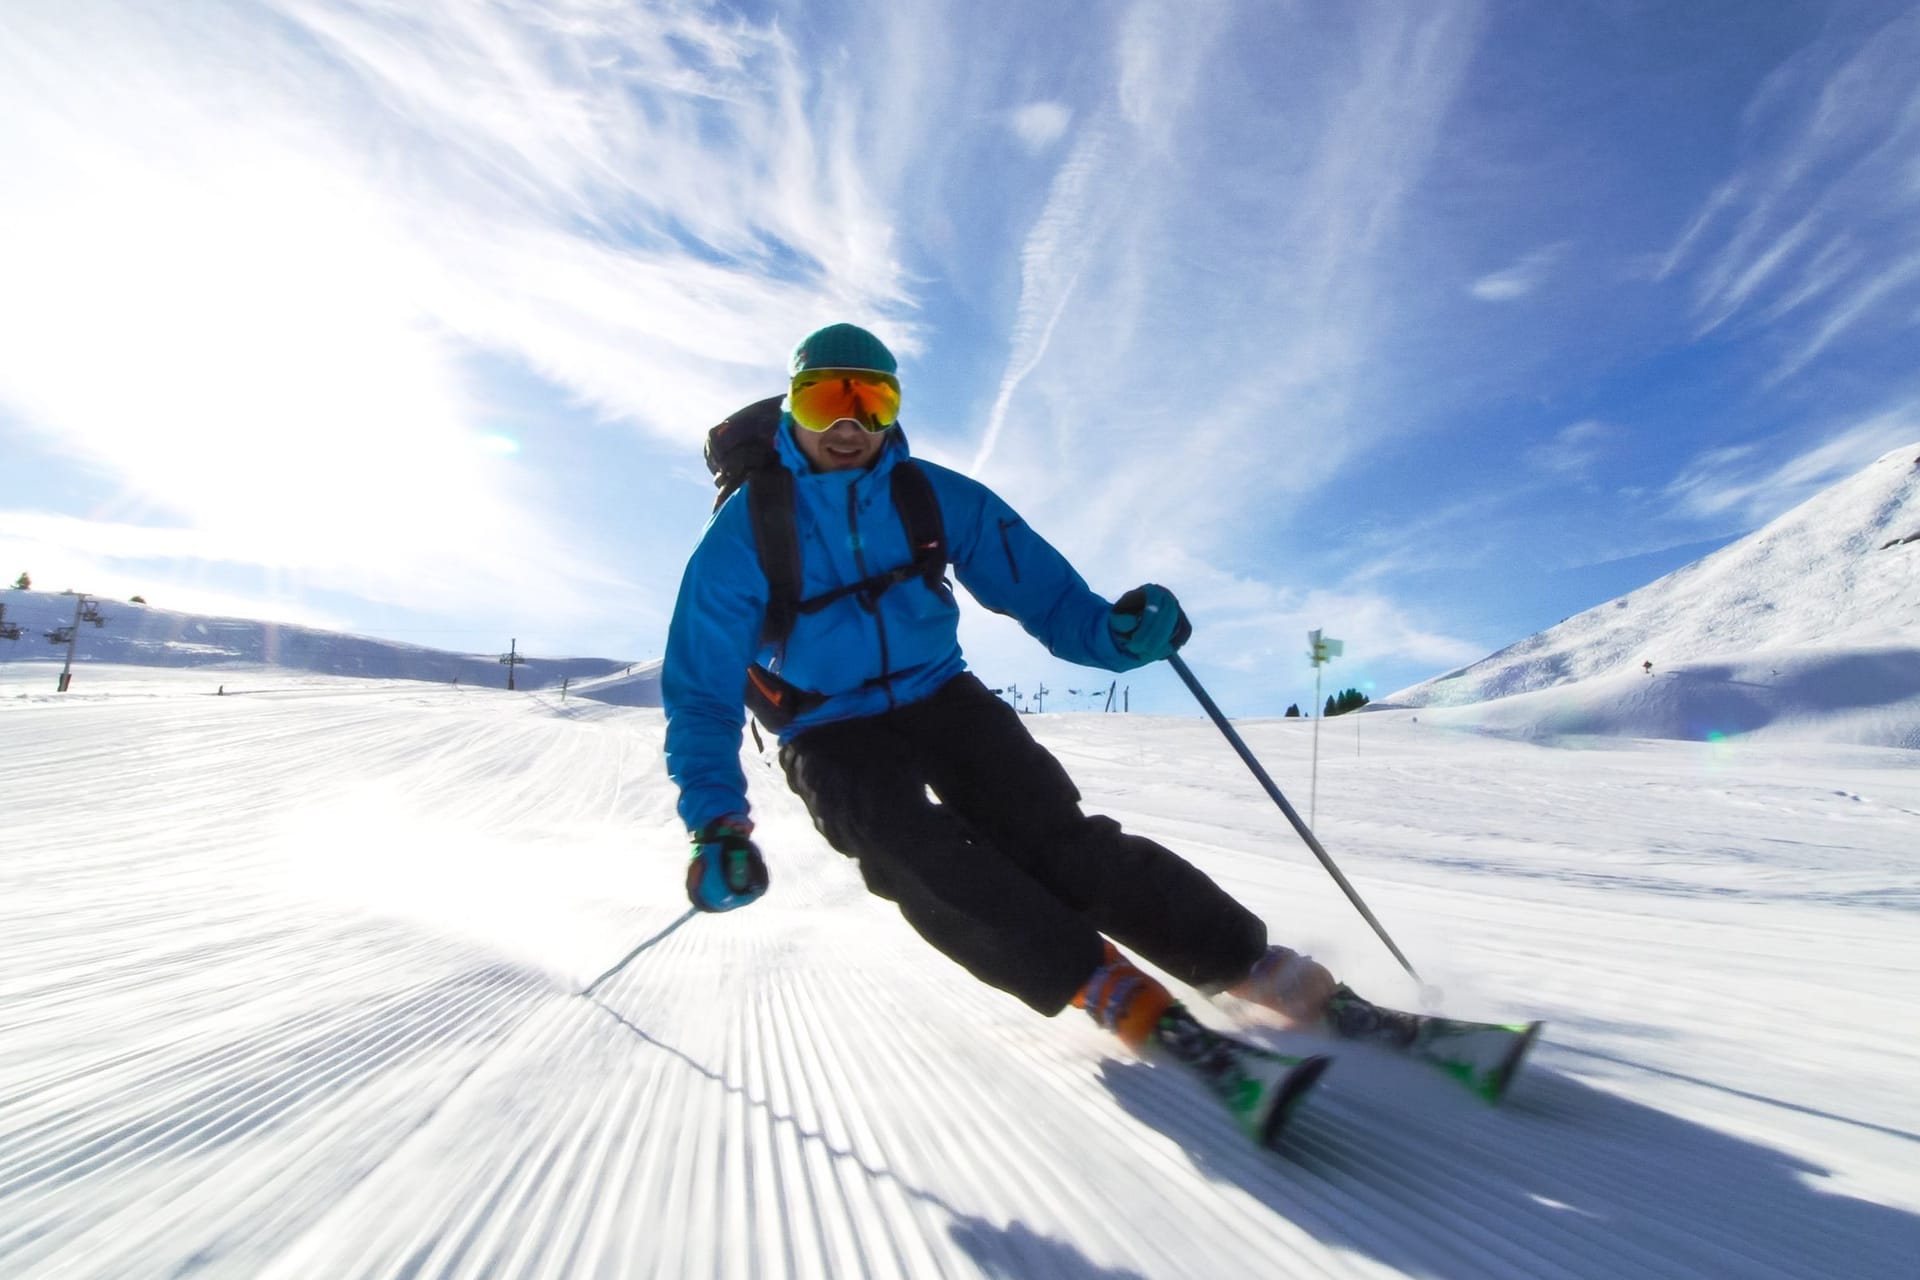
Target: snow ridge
point(1791, 607)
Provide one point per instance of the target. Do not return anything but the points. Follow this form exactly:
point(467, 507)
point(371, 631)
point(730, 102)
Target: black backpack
point(741, 451)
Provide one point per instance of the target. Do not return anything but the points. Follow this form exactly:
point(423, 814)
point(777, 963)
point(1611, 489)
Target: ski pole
point(1239, 745)
point(627, 959)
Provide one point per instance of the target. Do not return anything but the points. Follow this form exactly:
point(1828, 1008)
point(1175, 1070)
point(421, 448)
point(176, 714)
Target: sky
point(1428, 326)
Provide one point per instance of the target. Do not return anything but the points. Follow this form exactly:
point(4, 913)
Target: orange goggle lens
point(821, 397)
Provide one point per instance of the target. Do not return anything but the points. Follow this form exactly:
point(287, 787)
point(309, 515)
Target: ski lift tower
point(1322, 649)
point(84, 610)
point(511, 659)
point(8, 630)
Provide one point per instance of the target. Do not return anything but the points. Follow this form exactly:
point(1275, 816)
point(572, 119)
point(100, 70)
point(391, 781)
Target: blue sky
point(1428, 325)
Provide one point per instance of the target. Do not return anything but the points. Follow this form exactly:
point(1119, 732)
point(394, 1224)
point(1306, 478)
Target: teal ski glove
point(726, 871)
point(1148, 624)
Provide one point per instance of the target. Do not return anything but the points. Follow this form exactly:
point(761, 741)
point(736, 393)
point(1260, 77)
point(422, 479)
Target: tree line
point(1337, 705)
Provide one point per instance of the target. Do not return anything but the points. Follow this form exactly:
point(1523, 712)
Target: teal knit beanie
point(842, 346)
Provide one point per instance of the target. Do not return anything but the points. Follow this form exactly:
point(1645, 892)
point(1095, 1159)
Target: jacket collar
point(796, 461)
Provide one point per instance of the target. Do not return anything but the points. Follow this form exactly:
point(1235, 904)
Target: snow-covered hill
point(137, 635)
point(1808, 627)
point(289, 989)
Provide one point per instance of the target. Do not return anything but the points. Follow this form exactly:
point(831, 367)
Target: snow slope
point(288, 989)
point(1767, 633)
point(138, 635)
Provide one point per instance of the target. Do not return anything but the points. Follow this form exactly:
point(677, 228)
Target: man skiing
point(1003, 873)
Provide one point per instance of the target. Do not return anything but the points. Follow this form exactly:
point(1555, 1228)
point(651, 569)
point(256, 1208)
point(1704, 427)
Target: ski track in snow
point(288, 988)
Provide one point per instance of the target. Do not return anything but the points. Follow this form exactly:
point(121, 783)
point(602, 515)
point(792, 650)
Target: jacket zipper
point(872, 607)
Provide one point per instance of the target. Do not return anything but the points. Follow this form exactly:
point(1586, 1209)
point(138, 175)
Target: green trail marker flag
point(1322, 649)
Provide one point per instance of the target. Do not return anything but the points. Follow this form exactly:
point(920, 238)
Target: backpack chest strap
point(770, 495)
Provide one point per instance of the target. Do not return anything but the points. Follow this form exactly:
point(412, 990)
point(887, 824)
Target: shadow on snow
point(1398, 1164)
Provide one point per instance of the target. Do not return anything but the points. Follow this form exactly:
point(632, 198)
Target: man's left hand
point(1148, 623)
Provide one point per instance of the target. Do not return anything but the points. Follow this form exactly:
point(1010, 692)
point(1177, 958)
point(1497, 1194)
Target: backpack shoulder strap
point(777, 540)
point(919, 509)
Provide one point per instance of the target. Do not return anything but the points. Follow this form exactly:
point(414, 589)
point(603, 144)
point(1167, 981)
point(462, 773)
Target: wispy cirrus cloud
point(1519, 279)
point(313, 237)
point(1574, 449)
point(1174, 313)
point(1254, 624)
point(1809, 236)
point(112, 561)
point(1270, 308)
point(250, 260)
point(1204, 323)
point(1743, 482)
point(1039, 125)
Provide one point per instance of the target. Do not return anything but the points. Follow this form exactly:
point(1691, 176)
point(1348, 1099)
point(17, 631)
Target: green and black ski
point(1260, 1088)
point(1483, 1056)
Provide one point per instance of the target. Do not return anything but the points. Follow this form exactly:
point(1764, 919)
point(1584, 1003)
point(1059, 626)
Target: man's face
point(845, 446)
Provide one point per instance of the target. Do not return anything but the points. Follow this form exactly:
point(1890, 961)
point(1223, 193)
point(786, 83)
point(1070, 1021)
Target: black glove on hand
point(726, 871)
point(1148, 624)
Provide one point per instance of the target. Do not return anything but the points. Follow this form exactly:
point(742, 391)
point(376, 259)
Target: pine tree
point(1347, 700)
point(1293, 710)
point(23, 582)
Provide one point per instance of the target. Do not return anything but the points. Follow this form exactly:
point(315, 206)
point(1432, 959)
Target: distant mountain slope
point(1838, 574)
point(636, 686)
point(137, 635)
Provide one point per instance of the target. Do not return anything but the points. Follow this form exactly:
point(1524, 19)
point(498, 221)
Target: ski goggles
point(821, 397)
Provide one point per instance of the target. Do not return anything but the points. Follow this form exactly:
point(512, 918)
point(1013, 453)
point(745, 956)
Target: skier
point(1004, 873)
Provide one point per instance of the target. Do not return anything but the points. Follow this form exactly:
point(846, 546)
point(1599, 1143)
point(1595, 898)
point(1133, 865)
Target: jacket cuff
point(734, 824)
point(702, 805)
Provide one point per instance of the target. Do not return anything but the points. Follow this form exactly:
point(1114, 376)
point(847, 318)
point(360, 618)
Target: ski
point(1483, 1056)
point(1260, 1088)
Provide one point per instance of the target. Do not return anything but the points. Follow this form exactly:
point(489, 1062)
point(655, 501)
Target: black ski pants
point(1005, 874)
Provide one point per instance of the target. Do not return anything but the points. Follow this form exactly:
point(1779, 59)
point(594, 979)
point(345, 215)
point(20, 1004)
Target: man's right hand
point(727, 870)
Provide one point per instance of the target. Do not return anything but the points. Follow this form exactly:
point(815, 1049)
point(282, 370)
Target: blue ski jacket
point(866, 662)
